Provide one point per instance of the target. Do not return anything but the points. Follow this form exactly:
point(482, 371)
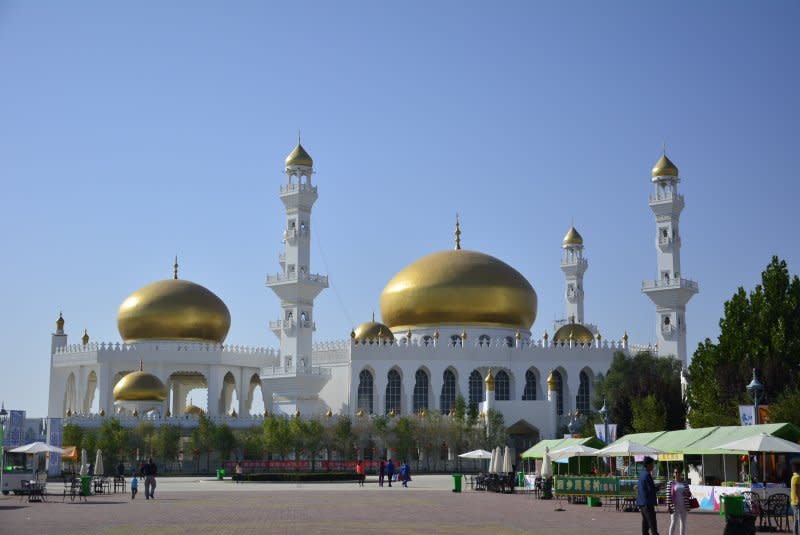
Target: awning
point(70, 454)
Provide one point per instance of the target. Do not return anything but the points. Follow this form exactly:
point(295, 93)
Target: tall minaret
point(296, 286)
point(670, 291)
point(574, 265)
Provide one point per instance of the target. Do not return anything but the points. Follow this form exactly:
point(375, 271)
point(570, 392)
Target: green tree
point(343, 437)
point(497, 435)
point(787, 407)
point(252, 443)
point(314, 439)
point(758, 330)
point(168, 443)
point(404, 435)
point(630, 379)
point(113, 441)
point(648, 414)
point(72, 435)
point(224, 441)
point(202, 440)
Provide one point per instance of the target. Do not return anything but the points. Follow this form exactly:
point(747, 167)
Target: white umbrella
point(547, 466)
point(37, 447)
point(499, 460)
point(99, 469)
point(84, 463)
point(627, 448)
point(575, 450)
point(477, 454)
point(761, 443)
point(508, 457)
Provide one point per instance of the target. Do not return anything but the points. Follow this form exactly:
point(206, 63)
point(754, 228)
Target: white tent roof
point(37, 447)
point(575, 450)
point(477, 454)
point(627, 448)
point(762, 443)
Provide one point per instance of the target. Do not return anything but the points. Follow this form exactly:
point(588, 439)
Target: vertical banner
point(15, 430)
point(747, 415)
point(54, 439)
point(600, 432)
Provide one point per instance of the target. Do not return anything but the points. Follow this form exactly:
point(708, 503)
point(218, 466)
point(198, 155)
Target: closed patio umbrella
point(547, 464)
point(508, 459)
point(99, 469)
point(84, 463)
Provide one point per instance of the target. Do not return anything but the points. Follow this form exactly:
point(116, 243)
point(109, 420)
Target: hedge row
point(300, 476)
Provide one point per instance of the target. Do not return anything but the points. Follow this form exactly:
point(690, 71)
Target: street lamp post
point(754, 389)
point(604, 416)
point(3, 418)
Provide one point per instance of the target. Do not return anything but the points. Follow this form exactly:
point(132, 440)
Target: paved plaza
point(195, 506)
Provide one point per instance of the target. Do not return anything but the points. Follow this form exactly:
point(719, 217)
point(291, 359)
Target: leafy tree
point(787, 407)
point(648, 414)
point(404, 442)
point(113, 440)
point(168, 442)
point(314, 439)
point(277, 435)
point(758, 330)
point(343, 437)
point(202, 440)
point(252, 443)
point(497, 435)
point(72, 435)
point(631, 379)
point(224, 441)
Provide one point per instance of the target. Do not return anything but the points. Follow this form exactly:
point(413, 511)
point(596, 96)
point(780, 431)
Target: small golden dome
point(360, 413)
point(546, 336)
point(459, 287)
point(140, 386)
point(573, 237)
point(85, 337)
point(193, 410)
point(625, 336)
point(173, 309)
point(102, 412)
point(370, 330)
point(60, 322)
point(299, 156)
point(575, 332)
point(297, 413)
point(329, 413)
point(665, 167)
point(489, 381)
point(233, 413)
point(135, 412)
point(551, 382)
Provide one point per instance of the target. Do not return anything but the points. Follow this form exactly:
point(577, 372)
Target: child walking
point(134, 487)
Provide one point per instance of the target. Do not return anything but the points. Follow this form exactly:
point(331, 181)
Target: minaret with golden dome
point(574, 265)
point(295, 284)
point(670, 291)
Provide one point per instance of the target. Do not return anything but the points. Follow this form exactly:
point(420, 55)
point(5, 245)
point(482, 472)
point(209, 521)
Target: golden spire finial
point(60, 322)
point(373, 316)
point(458, 233)
point(625, 336)
point(664, 148)
point(298, 136)
point(85, 337)
point(141, 365)
point(175, 269)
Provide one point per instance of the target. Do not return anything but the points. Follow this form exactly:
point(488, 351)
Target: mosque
point(455, 322)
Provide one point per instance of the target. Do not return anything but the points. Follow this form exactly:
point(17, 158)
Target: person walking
point(237, 473)
point(150, 473)
point(678, 496)
point(381, 473)
point(405, 473)
point(390, 471)
point(794, 495)
point(360, 472)
point(646, 498)
point(134, 486)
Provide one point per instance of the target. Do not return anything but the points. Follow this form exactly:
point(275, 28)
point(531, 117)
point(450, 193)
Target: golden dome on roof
point(173, 309)
point(665, 167)
point(140, 386)
point(458, 287)
point(370, 330)
point(60, 322)
point(299, 156)
point(575, 332)
point(193, 410)
point(573, 237)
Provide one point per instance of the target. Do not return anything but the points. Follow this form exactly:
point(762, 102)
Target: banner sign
point(747, 414)
point(15, 430)
point(600, 432)
point(301, 466)
point(54, 439)
point(587, 485)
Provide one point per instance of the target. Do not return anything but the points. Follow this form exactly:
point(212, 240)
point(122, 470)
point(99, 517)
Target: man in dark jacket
point(646, 499)
point(390, 471)
point(150, 473)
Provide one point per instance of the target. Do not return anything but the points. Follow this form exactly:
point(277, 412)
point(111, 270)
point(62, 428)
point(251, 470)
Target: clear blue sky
point(130, 132)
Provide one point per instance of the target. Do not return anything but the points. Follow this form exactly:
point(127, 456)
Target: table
point(36, 492)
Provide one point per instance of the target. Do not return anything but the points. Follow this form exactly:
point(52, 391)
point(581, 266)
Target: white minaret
point(669, 291)
point(295, 285)
point(574, 265)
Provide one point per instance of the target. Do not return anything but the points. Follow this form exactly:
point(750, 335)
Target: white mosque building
point(455, 322)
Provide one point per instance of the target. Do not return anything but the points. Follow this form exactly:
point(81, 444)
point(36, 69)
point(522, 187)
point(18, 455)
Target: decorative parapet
point(642, 348)
point(297, 188)
point(166, 346)
point(280, 371)
point(498, 344)
point(670, 283)
point(334, 352)
point(294, 277)
point(184, 420)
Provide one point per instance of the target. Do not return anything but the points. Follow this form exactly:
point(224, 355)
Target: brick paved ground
point(194, 507)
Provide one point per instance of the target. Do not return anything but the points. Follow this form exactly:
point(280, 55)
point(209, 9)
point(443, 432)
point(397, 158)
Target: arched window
point(365, 396)
point(484, 340)
point(582, 400)
point(421, 391)
point(501, 386)
point(530, 386)
point(559, 392)
point(393, 392)
point(448, 398)
point(475, 387)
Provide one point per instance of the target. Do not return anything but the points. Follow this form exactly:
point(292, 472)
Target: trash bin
point(731, 505)
point(593, 501)
point(521, 479)
point(456, 482)
point(86, 485)
point(220, 473)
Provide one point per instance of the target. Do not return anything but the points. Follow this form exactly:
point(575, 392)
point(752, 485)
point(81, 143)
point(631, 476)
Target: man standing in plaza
point(150, 473)
point(795, 495)
point(390, 471)
point(646, 498)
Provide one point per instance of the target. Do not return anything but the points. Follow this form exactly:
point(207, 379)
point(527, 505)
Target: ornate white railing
point(670, 283)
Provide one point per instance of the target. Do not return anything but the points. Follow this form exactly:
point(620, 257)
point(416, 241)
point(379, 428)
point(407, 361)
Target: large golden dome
point(140, 386)
point(459, 287)
point(575, 331)
point(665, 167)
point(173, 309)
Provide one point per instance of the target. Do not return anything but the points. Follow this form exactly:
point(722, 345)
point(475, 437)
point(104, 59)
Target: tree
point(631, 379)
point(758, 330)
point(251, 441)
point(497, 435)
point(168, 442)
point(202, 440)
point(113, 440)
point(648, 414)
point(343, 437)
point(72, 435)
point(224, 441)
